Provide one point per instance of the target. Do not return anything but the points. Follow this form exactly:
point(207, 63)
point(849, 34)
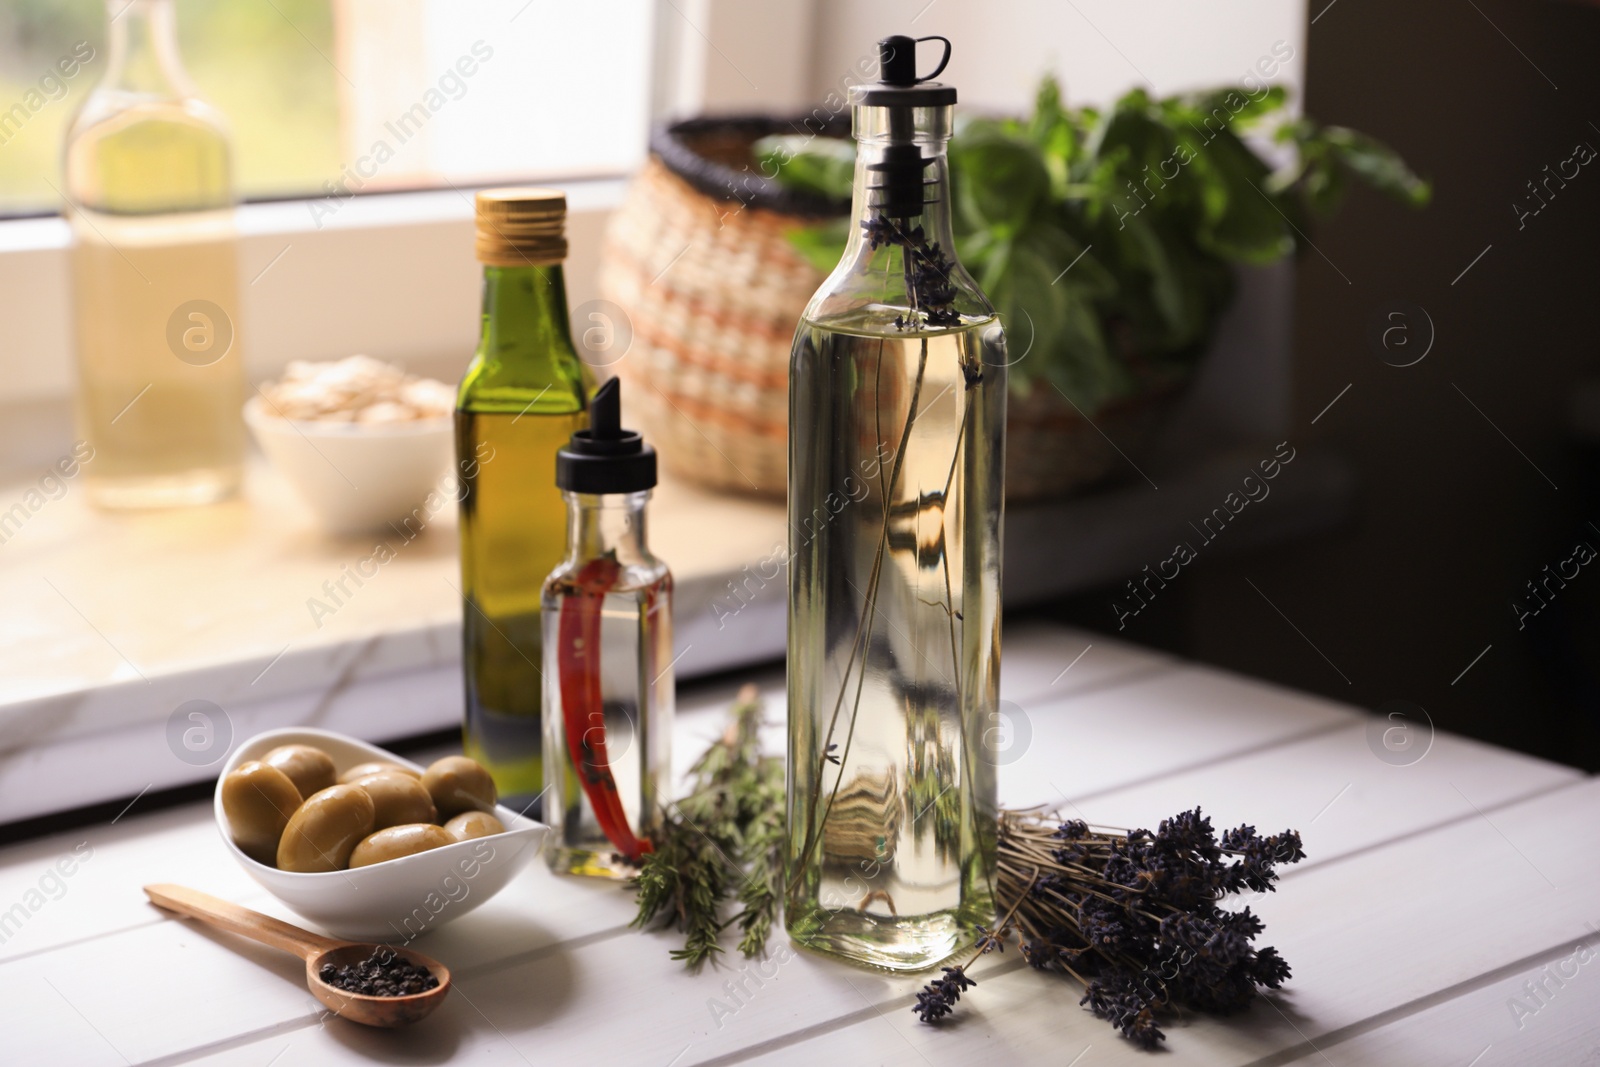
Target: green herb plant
point(719, 845)
point(1108, 240)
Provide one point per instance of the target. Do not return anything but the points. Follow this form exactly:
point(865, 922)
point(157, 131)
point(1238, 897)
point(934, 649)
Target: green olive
point(395, 841)
point(397, 799)
point(258, 801)
point(458, 784)
point(310, 769)
point(327, 827)
point(471, 824)
point(361, 770)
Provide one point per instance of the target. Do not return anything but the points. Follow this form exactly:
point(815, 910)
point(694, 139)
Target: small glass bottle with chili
point(608, 687)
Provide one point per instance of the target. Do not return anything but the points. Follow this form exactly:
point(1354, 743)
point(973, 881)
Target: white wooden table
point(1433, 893)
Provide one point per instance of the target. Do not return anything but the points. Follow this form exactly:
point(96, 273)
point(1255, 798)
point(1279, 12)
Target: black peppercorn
point(382, 974)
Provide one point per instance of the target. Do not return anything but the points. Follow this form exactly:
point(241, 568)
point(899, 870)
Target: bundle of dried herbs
point(722, 843)
point(1133, 916)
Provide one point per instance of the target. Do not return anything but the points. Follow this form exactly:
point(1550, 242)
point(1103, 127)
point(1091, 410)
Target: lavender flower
point(1121, 1003)
point(938, 997)
point(1134, 917)
point(927, 271)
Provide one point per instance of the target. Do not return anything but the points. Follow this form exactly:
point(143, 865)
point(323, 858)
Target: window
point(557, 90)
point(330, 97)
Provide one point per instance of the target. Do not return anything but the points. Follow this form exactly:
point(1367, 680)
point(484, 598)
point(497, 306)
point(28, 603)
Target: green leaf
point(823, 165)
point(1053, 129)
point(1053, 329)
point(1242, 221)
point(1138, 129)
point(1168, 292)
point(1327, 155)
point(821, 244)
point(1049, 116)
point(998, 179)
point(1228, 107)
point(1378, 164)
point(1323, 185)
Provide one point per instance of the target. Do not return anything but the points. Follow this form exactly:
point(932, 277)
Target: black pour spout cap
point(898, 84)
point(898, 187)
point(605, 458)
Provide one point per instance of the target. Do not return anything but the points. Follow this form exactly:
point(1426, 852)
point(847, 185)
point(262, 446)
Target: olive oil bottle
point(524, 394)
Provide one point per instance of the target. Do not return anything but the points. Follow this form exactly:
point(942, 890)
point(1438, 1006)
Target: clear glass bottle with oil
point(608, 656)
point(523, 396)
point(896, 457)
point(150, 196)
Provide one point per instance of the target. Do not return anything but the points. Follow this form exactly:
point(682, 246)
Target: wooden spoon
point(317, 951)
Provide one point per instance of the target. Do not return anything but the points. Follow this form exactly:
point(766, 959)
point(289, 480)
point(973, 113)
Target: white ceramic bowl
point(357, 478)
point(397, 899)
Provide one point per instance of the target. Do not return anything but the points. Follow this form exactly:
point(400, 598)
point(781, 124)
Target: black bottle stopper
point(898, 188)
point(898, 84)
point(605, 458)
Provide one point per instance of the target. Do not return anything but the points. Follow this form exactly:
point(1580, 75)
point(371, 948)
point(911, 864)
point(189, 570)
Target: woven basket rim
point(672, 144)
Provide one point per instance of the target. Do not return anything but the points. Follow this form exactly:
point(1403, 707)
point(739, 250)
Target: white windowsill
point(390, 275)
point(292, 217)
point(118, 619)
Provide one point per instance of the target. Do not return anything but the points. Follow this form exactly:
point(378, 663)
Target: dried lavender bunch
point(1133, 916)
point(722, 841)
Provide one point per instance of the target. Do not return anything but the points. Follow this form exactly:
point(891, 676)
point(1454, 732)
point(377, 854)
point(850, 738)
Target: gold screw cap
point(521, 227)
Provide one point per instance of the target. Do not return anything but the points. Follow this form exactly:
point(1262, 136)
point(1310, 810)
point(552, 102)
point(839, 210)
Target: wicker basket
point(698, 254)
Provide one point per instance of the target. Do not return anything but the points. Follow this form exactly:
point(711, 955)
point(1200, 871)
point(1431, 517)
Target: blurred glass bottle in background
point(149, 188)
point(523, 396)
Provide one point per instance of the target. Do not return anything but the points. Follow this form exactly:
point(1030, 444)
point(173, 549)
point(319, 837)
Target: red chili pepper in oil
point(607, 655)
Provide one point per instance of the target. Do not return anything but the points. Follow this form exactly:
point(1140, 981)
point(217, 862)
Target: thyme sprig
point(1133, 916)
point(721, 842)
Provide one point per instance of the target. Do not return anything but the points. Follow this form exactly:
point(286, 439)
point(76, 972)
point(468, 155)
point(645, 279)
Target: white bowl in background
point(357, 477)
point(398, 899)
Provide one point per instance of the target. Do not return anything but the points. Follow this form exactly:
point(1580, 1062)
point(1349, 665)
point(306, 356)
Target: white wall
point(1099, 48)
point(733, 56)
